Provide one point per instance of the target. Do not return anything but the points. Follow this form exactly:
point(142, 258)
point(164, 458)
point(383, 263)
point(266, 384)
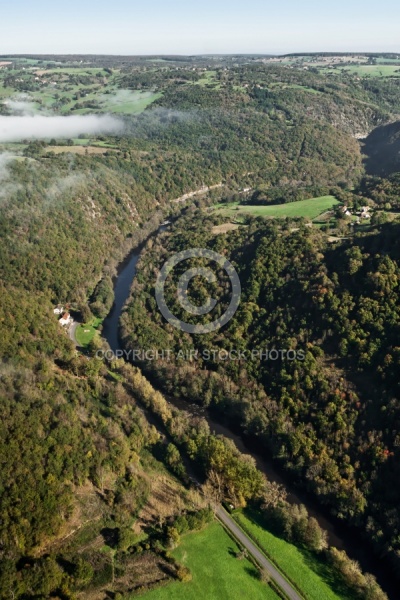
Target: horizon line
point(199, 54)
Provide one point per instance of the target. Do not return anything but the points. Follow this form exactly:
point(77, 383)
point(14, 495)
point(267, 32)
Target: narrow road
point(259, 557)
point(71, 331)
point(202, 190)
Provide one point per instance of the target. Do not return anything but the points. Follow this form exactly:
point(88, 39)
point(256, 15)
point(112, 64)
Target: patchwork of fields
point(69, 90)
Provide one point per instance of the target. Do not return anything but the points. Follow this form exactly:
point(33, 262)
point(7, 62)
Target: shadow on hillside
point(382, 148)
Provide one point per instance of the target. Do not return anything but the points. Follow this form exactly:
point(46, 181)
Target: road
point(259, 557)
point(71, 331)
point(201, 191)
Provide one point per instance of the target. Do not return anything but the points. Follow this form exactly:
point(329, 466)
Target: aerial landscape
point(200, 303)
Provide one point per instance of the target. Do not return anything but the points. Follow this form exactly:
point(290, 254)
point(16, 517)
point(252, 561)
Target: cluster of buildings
point(363, 213)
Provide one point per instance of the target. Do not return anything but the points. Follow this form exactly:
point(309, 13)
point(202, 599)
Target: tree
point(314, 537)
point(83, 572)
point(264, 576)
point(173, 537)
point(273, 495)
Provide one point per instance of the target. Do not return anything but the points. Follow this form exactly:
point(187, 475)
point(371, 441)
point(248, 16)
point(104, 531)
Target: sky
point(203, 27)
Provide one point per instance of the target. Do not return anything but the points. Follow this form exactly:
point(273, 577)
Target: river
point(339, 535)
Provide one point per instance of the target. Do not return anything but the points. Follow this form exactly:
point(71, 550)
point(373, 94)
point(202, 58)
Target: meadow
point(81, 149)
point(208, 78)
point(309, 209)
point(368, 70)
point(128, 101)
point(393, 61)
point(293, 86)
point(74, 70)
point(86, 332)
point(216, 572)
point(312, 577)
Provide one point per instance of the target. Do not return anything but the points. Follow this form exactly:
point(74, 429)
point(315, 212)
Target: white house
point(58, 309)
point(66, 319)
point(365, 212)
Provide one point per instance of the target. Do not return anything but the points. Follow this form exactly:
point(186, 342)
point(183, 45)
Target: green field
point(312, 577)
point(82, 141)
point(6, 92)
point(217, 573)
point(208, 77)
point(368, 70)
point(309, 209)
point(75, 70)
point(86, 332)
point(381, 60)
point(277, 86)
point(127, 101)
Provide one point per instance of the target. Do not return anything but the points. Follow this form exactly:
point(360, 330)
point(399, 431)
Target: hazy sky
point(206, 26)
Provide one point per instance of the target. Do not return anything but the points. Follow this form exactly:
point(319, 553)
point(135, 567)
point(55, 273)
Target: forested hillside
point(330, 414)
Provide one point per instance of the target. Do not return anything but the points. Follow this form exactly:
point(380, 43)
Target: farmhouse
point(66, 319)
point(365, 212)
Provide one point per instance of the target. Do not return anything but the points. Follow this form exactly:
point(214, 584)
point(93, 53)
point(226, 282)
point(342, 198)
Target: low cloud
point(7, 187)
point(60, 186)
point(5, 158)
point(165, 116)
point(39, 127)
point(21, 106)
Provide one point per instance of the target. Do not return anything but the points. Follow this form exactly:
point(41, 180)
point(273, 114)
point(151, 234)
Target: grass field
point(81, 150)
point(6, 92)
point(30, 61)
point(81, 141)
point(75, 70)
point(292, 86)
point(85, 333)
point(369, 70)
point(313, 577)
point(381, 60)
point(217, 573)
point(128, 101)
point(375, 70)
point(208, 77)
point(309, 209)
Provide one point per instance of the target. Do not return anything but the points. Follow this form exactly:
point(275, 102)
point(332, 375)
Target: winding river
point(339, 535)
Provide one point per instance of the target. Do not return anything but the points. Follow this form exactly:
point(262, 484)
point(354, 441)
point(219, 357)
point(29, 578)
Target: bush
point(183, 573)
